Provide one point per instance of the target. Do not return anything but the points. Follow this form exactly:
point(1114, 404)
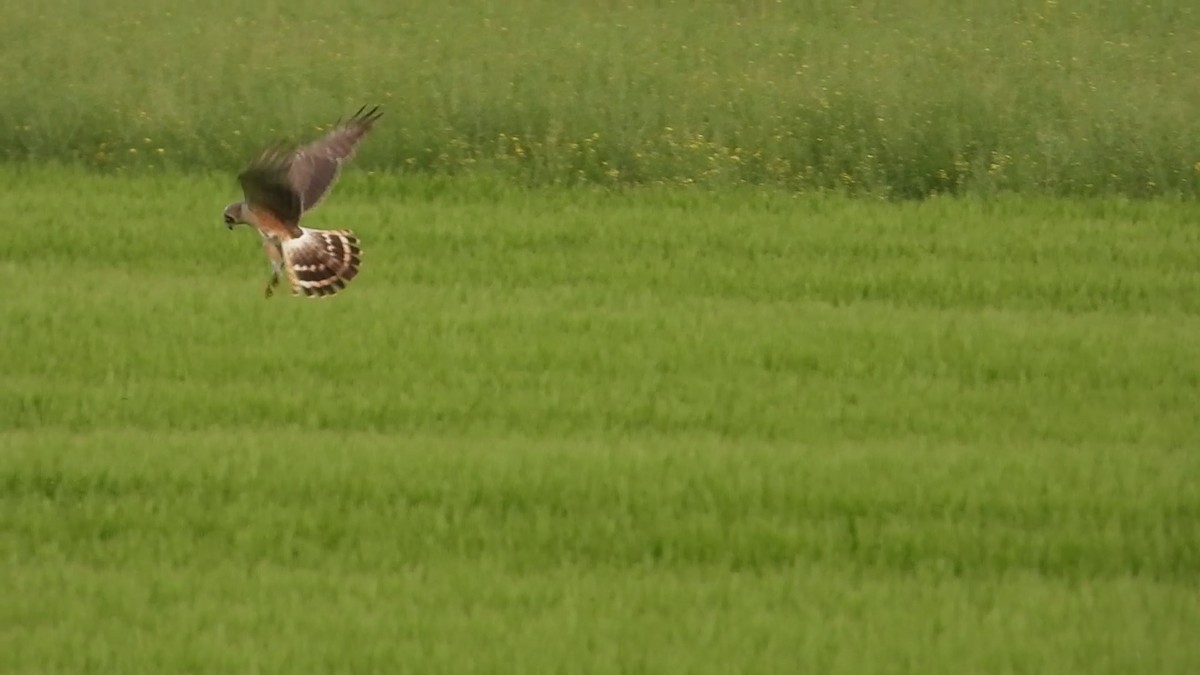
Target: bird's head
point(235, 214)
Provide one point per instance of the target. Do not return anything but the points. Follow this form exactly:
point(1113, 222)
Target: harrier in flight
point(282, 184)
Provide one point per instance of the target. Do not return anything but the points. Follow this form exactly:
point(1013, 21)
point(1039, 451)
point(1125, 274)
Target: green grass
point(629, 382)
point(579, 430)
point(903, 99)
point(342, 551)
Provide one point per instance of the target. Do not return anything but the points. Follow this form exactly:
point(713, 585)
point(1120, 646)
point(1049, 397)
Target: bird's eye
point(228, 220)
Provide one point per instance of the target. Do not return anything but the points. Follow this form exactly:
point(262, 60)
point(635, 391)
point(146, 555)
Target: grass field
point(582, 430)
point(740, 336)
point(900, 98)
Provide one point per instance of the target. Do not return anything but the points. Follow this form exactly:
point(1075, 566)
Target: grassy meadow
point(901, 99)
point(690, 337)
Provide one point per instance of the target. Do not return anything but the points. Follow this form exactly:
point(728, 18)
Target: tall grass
point(906, 98)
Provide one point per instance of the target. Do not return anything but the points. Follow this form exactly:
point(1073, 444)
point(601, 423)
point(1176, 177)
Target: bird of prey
point(282, 184)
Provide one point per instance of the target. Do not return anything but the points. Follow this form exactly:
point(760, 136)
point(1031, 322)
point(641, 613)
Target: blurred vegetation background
point(903, 98)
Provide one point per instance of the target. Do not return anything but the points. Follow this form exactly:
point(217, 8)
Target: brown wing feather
point(267, 188)
point(315, 167)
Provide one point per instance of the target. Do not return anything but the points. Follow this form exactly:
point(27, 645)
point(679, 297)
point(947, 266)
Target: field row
point(289, 551)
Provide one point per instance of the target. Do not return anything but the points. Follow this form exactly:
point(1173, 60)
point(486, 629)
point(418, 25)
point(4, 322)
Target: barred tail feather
point(321, 262)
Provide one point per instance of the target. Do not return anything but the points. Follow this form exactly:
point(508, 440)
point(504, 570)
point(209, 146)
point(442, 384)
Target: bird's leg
point(272, 282)
point(275, 255)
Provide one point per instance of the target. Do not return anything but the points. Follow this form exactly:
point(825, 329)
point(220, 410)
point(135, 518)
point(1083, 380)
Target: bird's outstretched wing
point(316, 166)
point(267, 188)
